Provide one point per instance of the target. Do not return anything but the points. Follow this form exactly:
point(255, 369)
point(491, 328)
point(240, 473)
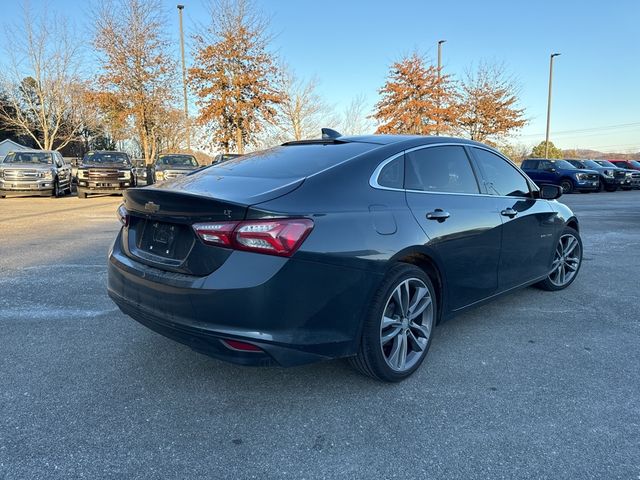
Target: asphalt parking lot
point(534, 385)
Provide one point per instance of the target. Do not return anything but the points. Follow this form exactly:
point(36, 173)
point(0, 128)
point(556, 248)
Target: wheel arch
point(573, 223)
point(428, 263)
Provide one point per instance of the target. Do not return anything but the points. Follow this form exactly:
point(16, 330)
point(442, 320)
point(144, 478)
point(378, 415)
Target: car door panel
point(529, 225)
point(468, 242)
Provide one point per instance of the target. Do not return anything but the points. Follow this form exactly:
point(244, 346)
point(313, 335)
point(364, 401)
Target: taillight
point(123, 215)
point(278, 236)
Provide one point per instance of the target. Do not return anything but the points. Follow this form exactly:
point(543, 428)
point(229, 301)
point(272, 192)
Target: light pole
point(546, 138)
point(184, 81)
point(440, 42)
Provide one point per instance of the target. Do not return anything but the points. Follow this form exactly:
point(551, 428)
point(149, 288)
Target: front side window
point(501, 178)
point(440, 169)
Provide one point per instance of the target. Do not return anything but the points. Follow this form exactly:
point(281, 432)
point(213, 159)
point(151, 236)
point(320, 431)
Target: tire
point(555, 280)
point(611, 189)
point(567, 186)
point(390, 336)
point(56, 192)
point(82, 194)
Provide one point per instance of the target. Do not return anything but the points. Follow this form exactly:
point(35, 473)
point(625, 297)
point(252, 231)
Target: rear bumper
point(297, 312)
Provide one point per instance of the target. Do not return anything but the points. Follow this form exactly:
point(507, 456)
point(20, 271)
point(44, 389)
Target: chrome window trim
point(373, 180)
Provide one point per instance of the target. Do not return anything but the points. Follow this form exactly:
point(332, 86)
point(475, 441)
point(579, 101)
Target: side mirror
point(550, 192)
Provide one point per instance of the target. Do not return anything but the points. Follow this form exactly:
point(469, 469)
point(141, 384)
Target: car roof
point(384, 139)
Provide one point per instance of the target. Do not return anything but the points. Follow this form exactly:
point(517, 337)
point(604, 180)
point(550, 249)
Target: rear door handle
point(509, 212)
point(439, 215)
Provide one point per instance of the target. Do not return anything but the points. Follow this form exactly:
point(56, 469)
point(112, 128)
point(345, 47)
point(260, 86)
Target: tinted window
point(440, 169)
point(501, 178)
point(177, 160)
point(106, 157)
point(291, 161)
point(530, 164)
point(392, 174)
point(545, 165)
point(564, 165)
point(29, 157)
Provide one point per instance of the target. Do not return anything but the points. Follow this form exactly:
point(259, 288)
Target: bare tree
point(355, 118)
point(488, 106)
point(137, 66)
point(301, 112)
point(43, 92)
point(234, 77)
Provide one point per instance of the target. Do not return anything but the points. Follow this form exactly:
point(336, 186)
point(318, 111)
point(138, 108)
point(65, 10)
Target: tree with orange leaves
point(415, 99)
point(234, 75)
point(488, 106)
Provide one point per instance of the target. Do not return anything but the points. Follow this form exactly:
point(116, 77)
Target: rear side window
point(291, 161)
point(530, 164)
point(392, 174)
point(440, 169)
point(501, 178)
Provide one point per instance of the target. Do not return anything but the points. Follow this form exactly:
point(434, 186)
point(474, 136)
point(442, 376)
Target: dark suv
point(560, 172)
point(611, 177)
point(105, 173)
point(631, 169)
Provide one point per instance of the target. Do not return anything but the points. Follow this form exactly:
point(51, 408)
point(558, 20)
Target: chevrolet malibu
point(340, 247)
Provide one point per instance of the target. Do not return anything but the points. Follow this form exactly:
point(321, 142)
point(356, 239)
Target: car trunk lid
point(160, 233)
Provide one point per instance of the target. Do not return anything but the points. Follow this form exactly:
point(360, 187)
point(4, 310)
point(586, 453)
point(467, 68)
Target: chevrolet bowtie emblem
point(151, 207)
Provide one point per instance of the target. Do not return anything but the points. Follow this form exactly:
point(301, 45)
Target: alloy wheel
point(567, 186)
point(566, 260)
point(406, 325)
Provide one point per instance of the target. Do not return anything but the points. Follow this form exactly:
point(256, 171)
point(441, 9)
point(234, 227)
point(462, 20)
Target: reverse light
point(278, 236)
point(123, 215)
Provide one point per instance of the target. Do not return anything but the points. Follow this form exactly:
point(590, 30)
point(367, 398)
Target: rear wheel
point(398, 329)
point(567, 185)
point(566, 261)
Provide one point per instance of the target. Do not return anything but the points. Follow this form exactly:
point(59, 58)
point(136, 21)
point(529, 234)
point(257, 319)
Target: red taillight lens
point(216, 233)
point(123, 215)
point(278, 236)
point(245, 347)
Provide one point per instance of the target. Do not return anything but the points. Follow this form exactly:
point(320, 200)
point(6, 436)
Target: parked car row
point(47, 173)
point(584, 175)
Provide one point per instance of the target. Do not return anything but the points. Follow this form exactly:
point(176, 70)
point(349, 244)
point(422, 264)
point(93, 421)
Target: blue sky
point(349, 45)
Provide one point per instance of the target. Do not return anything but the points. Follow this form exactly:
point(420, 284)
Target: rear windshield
point(177, 160)
point(106, 157)
point(291, 161)
point(37, 158)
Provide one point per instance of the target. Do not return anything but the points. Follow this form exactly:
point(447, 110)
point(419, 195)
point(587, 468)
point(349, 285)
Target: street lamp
point(184, 81)
point(546, 140)
point(440, 42)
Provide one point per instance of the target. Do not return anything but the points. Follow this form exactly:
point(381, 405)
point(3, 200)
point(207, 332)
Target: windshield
point(604, 163)
point(106, 157)
point(291, 161)
point(635, 163)
point(592, 164)
point(37, 158)
point(564, 164)
point(177, 160)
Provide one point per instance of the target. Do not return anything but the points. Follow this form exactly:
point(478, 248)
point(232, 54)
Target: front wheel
point(57, 191)
point(398, 329)
point(567, 186)
point(567, 260)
